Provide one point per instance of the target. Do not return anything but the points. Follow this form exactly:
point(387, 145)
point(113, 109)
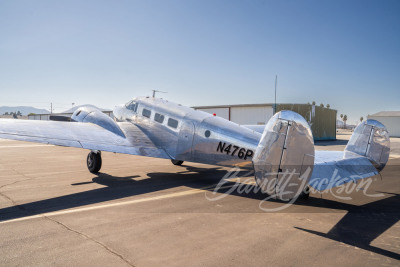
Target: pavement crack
point(20, 207)
point(16, 182)
point(8, 198)
point(91, 239)
point(19, 181)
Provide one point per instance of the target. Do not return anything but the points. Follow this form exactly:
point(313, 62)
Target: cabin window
point(172, 123)
point(146, 113)
point(159, 118)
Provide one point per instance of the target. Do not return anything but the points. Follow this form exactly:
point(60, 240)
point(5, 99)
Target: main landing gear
point(94, 161)
point(305, 193)
point(177, 162)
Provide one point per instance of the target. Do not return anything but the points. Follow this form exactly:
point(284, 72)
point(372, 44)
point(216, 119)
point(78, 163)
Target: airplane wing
point(106, 135)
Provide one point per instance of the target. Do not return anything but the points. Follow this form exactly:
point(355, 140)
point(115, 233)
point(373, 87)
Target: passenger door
point(185, 141)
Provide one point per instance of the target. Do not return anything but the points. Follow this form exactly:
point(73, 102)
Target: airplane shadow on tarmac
point(116, 188)
point(362, 224)
point(359, 227)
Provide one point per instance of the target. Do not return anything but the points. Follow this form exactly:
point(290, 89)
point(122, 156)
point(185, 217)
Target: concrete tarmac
point(144, 212)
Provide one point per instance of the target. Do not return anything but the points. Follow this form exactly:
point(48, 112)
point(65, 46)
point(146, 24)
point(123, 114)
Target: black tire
point(305, 194)
point(93, 162)
point(177, 162)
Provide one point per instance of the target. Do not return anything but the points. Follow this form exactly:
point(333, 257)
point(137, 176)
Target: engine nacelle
point(93, 115)
point(284, 158)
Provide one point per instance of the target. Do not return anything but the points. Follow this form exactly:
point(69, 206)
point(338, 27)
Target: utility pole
point(276, 83)
point(51, 108)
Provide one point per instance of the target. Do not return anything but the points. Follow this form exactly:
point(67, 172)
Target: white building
point(391, 119)
point(254, 114)
point(53, 116)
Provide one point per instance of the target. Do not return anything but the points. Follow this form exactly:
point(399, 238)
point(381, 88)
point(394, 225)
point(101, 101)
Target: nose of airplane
point(117, 111)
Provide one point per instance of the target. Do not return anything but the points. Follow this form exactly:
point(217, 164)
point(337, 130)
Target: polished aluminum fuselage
point(199, 136)
point(283, 156)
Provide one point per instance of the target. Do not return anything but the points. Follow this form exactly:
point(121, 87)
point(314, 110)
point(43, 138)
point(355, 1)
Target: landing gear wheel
point(305, 193)
point(94, 162)
point(177, 162)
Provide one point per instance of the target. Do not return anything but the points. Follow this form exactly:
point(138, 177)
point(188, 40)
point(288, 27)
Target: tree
point(344, 120)
point(313, 102)
point(6, 113)
point(361, 119)
point(328, 106)
point(321, 105)
point(19, 113)
point(341, 116)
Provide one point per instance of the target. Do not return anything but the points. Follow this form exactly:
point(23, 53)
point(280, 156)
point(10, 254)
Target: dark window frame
point(159, 117)
point(144, 113)
point(173, 123)
point(127, 105)
point(132, 105)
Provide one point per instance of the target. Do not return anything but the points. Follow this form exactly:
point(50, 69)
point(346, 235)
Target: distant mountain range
point(23, 109)
point(27, 110)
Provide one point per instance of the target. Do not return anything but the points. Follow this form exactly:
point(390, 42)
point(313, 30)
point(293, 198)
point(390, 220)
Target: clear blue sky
point(345, 53)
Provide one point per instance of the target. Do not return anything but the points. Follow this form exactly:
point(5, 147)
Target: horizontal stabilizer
point(365, 155)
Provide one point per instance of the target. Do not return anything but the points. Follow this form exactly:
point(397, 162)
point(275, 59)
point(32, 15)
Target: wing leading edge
point(82, 135)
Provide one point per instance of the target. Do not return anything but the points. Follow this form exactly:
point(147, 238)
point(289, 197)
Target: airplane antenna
point(157, 91)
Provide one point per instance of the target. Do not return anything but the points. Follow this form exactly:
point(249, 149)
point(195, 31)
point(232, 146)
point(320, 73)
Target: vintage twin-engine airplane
point(281, 154)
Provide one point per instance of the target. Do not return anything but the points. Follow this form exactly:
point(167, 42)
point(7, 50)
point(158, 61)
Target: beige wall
point(220, 112)
point(243, 115)
point(251, 115)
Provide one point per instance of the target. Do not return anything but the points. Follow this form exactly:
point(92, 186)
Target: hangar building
point(391, 119)
point(322, 120)
point(57, 116)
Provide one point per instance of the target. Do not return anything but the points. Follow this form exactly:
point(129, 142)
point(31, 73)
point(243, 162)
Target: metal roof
point(387, 114)
point(250, 105)
point(236, 105)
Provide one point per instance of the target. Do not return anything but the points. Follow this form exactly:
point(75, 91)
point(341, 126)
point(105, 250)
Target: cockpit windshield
point(132, 105)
